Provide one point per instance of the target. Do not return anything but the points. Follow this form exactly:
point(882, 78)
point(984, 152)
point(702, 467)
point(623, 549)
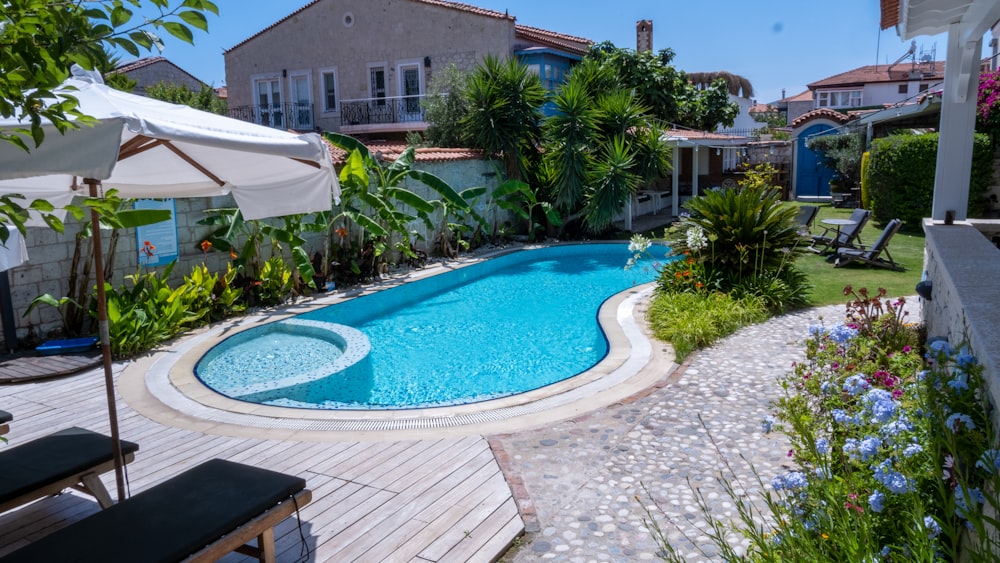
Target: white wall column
point(675, 192)
point(694, 172)
point(958, 121)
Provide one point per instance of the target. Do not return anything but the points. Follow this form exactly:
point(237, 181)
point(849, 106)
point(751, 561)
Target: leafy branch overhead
point(40, 40)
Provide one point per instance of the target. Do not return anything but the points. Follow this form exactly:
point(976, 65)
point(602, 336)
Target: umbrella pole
point(102, 323)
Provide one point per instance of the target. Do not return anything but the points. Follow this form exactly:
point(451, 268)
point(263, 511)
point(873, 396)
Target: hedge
point(901, 177)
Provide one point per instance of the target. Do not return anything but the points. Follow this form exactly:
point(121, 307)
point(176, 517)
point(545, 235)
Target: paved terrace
point(454, 494)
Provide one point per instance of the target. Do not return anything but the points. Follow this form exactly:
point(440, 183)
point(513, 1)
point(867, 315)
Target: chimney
point(644, 35)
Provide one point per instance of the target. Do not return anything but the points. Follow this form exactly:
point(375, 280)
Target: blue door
point(812, 179)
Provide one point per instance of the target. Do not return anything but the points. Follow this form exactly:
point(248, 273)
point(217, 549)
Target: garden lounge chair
point(805, 218)
point(846, 236)
point(877, 255)
point(5, 418)
point(74, 457)
point(201, 514)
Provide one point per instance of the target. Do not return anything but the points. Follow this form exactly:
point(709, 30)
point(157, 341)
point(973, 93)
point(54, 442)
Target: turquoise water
point(504, 326)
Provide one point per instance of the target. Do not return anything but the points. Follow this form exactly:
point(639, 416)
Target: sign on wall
point(157, 243)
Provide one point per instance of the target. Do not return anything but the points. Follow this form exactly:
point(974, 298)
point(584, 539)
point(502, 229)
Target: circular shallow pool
point(492, 329)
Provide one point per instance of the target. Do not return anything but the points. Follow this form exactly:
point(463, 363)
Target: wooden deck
point(431, 500)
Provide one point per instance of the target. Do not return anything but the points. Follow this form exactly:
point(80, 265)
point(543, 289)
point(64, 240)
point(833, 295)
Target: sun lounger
point(841, 236)
point(5, 418)
point(877, 255)
point(200, 515)
point(805, 217)
point(74, 457)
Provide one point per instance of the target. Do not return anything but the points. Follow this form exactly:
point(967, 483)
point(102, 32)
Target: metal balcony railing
point(374, 111)
point(289, 115)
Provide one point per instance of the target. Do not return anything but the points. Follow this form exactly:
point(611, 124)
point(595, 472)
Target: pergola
point(965, 21)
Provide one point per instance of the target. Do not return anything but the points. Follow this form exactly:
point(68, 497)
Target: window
point(924, 87)
point(839, 99)
point(329, 85)
point(376, 75)
point(904, 88)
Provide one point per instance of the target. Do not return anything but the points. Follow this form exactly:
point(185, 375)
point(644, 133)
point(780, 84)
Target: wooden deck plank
point(499, 541)
point(485, 502)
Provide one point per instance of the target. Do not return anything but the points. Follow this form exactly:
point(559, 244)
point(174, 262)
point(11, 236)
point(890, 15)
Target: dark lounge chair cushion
point(171, 520)
point(32, 465)
point(5, 417)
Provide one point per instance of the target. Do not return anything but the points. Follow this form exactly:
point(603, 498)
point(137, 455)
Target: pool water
point(504, 326)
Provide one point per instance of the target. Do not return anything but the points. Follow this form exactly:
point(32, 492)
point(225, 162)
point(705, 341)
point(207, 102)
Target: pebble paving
point(583, 483)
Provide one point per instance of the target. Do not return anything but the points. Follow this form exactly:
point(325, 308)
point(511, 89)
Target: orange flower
point(687, 273)
point(342, 232)
point(678, 275)
point(699, 285)
point(232, 254)
point(690, 260)
point(205, 245)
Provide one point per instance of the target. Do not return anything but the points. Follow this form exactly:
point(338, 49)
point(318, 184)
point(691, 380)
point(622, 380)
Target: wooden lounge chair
point(201, 514)
point(5, 418)
point(805, 218)
point(848, 236)
point(877, 254)
point(74, 457)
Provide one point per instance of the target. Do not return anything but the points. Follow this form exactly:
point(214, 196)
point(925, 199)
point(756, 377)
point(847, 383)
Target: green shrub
point(743, 240)
point(690, 321)
point(901, 176)
point(866, 197)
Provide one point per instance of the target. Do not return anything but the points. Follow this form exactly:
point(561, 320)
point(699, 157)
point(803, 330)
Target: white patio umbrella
point(146, 148)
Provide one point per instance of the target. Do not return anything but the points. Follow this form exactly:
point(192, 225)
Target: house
point(155, 70)
point(794, 106)
point(876, 85)
point(361, 67)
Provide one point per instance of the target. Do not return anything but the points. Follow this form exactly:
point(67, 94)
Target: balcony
point(290, 115)
point(403, 113)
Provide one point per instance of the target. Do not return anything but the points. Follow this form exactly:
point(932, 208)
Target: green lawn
point(907, 248)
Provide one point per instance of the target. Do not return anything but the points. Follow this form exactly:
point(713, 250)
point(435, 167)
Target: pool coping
point(163, 387)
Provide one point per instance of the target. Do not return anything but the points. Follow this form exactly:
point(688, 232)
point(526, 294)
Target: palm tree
point(737, 85)
point(505, 101)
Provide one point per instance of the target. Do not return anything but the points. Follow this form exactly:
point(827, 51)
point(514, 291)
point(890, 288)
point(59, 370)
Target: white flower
point(696, 239)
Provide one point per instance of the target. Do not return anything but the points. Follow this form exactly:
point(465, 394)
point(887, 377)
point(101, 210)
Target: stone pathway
point(582, 477)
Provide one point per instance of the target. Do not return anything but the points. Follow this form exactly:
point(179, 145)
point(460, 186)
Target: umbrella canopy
point(146, 148)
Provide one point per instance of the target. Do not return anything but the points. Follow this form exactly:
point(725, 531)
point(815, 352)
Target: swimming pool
point(500, 327)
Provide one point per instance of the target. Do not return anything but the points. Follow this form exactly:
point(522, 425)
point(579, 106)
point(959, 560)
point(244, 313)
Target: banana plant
point(367, 183)
point(518, 197)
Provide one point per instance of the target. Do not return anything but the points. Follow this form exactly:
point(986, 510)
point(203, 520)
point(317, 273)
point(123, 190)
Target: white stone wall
point(964, 268)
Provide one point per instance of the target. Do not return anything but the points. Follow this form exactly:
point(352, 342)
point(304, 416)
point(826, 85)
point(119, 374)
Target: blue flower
point(842, 334)
point(822, 472)
point(777, 482)
point(989, 461)
point(816, 330)
point(933, 528)
point(868, 447)
point(822, 446)
point(825, 388)
point(881, 405)
point(795, 480)
point(962, 495)
point(855, 384)
point(896, 482)
point(956, 420)
point(960, 382)
point(840, 416)
point(912, 450)
point(766, 424)
point(922, 375)
point(898, 426)
point(939, 345)
point(965, 360)
point(877, 501)
point(885, 551)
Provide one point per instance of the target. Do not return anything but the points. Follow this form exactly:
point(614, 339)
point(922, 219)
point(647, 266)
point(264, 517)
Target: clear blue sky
point(777, 44)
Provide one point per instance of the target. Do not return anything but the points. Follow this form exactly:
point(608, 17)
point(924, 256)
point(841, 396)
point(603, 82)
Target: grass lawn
point(906, 247)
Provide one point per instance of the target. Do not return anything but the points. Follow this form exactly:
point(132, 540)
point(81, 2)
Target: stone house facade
point(154, 70)
point(360, 67)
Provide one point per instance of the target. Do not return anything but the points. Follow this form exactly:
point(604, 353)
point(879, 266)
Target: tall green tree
point(41, 39)
point(504, 119)
point(445, 106)
point(669, 93)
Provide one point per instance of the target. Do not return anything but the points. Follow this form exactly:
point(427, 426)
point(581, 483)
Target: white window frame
point(368, 78)
point(827, 98)
point(336, 90)
point(268, 77)
point(292, 76)
point(420, 76)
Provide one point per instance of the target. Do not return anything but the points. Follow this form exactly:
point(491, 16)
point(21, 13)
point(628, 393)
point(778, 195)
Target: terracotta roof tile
point(142, 63)
point(821, 113)
point(578, 45)
point(692, 134)
point(806, 96)
point(881, 73)
point(391, 151)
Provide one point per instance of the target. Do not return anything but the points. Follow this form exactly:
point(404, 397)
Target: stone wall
point(50, 253)
point(964, 266)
